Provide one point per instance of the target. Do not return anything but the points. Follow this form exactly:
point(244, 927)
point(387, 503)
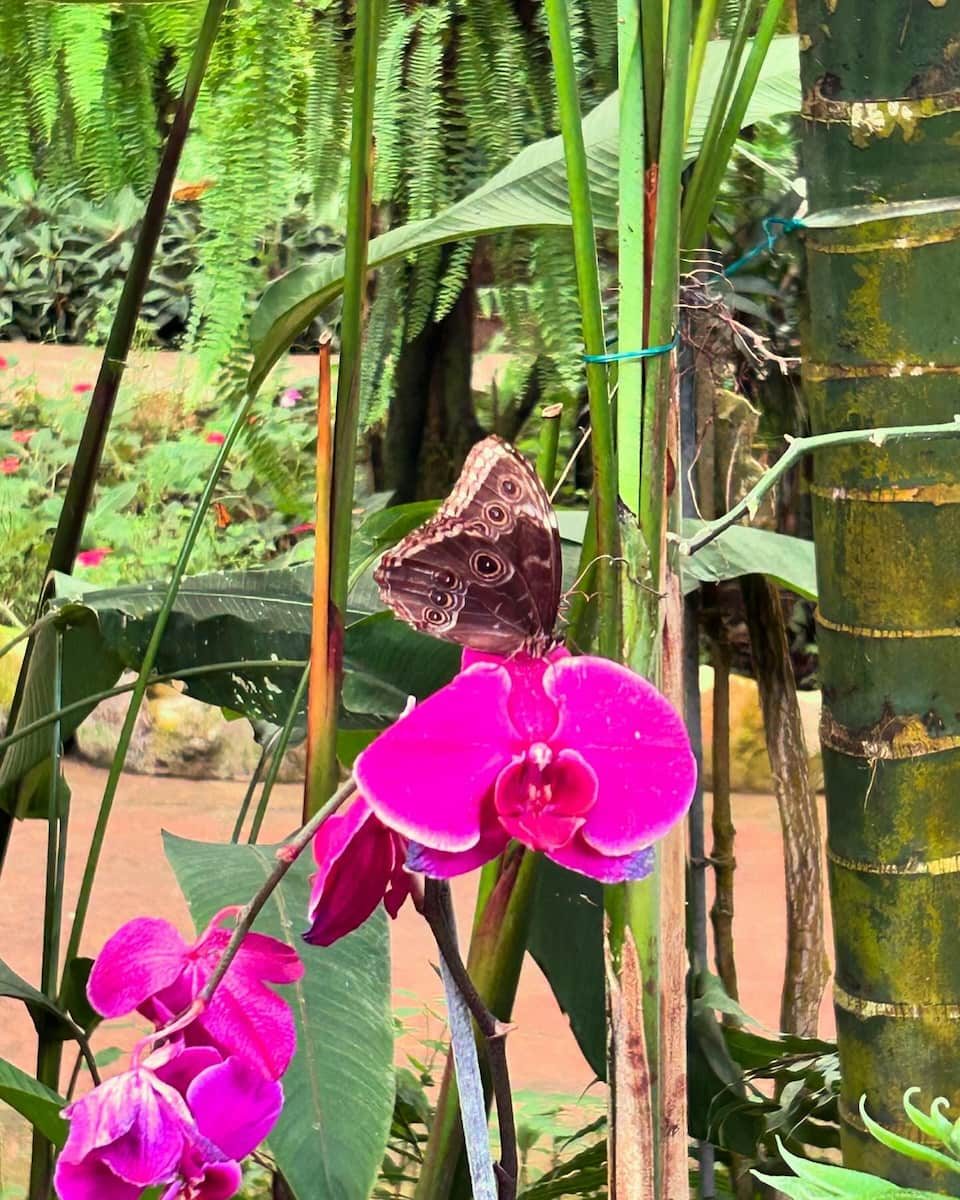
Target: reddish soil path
point(136, 879)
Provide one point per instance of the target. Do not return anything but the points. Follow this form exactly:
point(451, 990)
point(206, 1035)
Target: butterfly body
point(485, 571)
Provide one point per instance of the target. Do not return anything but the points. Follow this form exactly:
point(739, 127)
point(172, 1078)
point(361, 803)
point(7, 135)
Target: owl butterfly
point(485, 571)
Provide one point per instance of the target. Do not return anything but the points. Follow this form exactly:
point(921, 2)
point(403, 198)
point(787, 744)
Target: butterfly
point(485, 571)
point(222, 514)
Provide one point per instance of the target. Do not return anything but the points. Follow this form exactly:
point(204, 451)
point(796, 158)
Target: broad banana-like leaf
point(529, 192)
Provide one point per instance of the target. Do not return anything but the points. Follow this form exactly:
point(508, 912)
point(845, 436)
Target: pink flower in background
point(576, 757)
point(93, 558)
point(80, 388)
point(290, 398)
point(306, 527)
point(360, 863)
point(147, 966)
point(4, 363)
point(9, 465)
point(216, 438)
point(22, 436)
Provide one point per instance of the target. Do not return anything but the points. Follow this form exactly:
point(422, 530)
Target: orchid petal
point(142, 958)
point(92, 1180)
point(635, 742)
point(439, 864)
point(357, 858)
point(577, 855)
point(428, 774)
point(532, 712)
point(235, 1106)
point(542, 799)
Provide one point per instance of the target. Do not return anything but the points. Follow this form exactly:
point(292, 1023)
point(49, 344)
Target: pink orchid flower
point(576, 757)
point(290, 398)
point(147, 966)
point(9, 465)
point(80, 388)
point(93, 558)
point(361, 862)
point(183, 1117)
point(215, 438)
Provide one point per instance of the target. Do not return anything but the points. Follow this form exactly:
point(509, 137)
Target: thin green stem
point(354, 294)
point(706, 20)
point(143, 678)
point(283, 741)
point(261, 664)
point(797, 448)
point(631, 251)
point(265, 751)
point(588, 285)
point(710, 168)
point(49, 1045)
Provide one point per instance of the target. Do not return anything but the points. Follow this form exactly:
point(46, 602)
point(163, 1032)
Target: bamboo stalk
point(722, 854)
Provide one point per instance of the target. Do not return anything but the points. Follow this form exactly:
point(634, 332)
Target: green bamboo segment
point(881, 125)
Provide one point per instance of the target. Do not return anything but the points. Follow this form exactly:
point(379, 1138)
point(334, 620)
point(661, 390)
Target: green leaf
point(904, 1146)
point(819, 1181)
point(739, 550)
point(743, 550)
point(339, 1088)
point(75, 994)
point(43, 1011)
point(566, 942)
point(386, 662)
point(87, 667)
point(33, 1100)
point(531, 191)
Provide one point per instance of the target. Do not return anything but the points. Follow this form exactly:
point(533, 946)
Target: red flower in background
point(93, 558)
point(80, 388)
point(9, 465)
point(215, 438)
point(22, 436)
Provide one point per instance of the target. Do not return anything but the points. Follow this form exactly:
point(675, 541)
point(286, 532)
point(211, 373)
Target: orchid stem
point(797, 448)
point(287, 855)
point(437, 910)
point(550, 416)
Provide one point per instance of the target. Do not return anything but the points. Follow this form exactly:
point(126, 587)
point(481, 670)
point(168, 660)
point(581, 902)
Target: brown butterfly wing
point(485, 571)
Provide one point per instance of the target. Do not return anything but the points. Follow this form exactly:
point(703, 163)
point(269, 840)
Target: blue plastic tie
point(785, 224)
point(630, 355)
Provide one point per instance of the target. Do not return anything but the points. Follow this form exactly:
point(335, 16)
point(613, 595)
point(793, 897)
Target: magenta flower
point(184, 1118)
point(360, 863)
point(4, 362)
point(216, 438)
point(93, 558)
point(576, 757)
point(80, 388)
point(9, 465)
point(290, 398)
point(306, 527)
point(148, 966)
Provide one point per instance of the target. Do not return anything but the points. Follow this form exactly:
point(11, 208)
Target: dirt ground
point(136, 879)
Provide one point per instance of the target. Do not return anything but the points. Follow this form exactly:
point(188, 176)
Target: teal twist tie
point(630, 355)
point(769, 224)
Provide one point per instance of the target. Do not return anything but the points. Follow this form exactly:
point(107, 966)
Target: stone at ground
point(749, 763)
point(177, 735)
